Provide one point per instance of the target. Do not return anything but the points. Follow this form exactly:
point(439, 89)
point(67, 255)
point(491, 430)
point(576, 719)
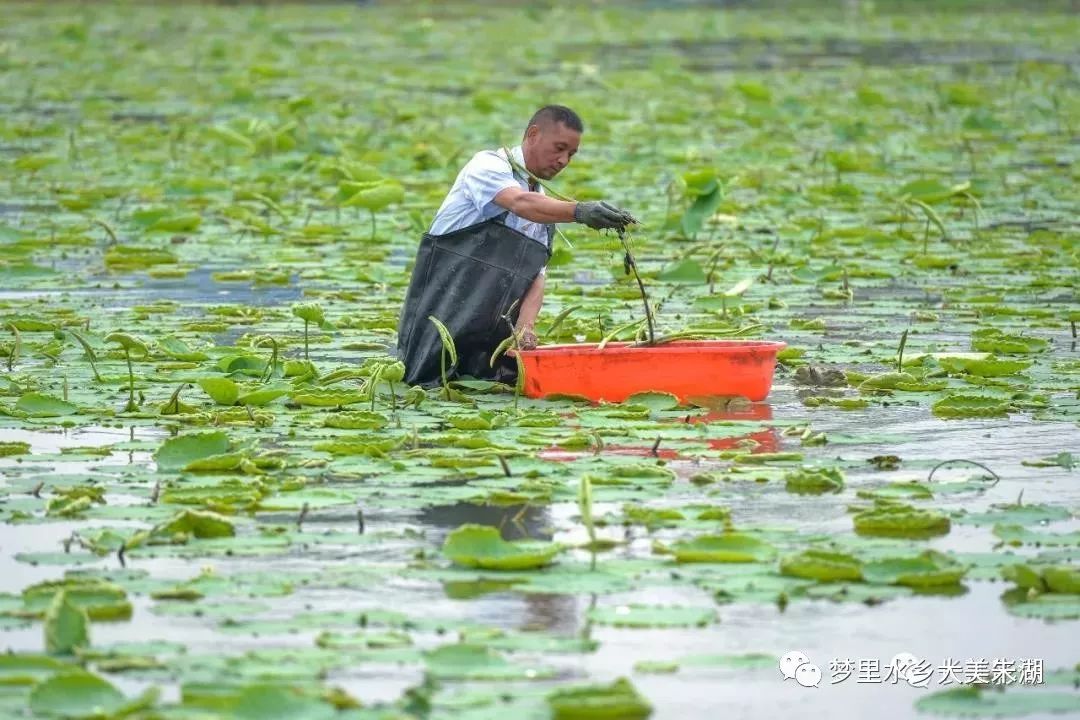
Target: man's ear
point(532, 132)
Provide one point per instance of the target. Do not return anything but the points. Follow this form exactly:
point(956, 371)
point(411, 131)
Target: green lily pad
point(9, 449)
point(973, 701)
point(39, 405)
point(467, 661)
point(1015, 515)
point(30, 669)
point(178, 452)
point(969, 406)
point(66, 626)
point(79, 694)
point(725, 548)
point(266, 701)
point(929, 569)
point(480, 546)
point(998, 341)
point(822, 565)
point(618, 701)
point(901, 521)
point(101, 600)
point(327, 398)
point(221, 390)
point(1017, 535)
point(814, 481)
point(356, 420)
point(984, 368)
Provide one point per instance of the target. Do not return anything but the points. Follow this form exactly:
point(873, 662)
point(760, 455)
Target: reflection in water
point(765, 440)
point(541, 611)
point(515, 522)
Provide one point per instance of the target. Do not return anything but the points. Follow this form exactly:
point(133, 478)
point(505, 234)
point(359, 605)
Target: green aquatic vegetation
point(899, 520)
point(449, 352)
point(481, 546)
point(929, 569)
point(978, 701)
point(79, 694)
point(731, 547)
point(814, 480)
point(959, 405)
point(12, 351)
point(897, 491)
point(180, 452)
point(100, 600)
point(67, 626)
point(40, 405)
point(129, 209)
point(989, 367)
point(309, 313)
point(1043, 579)
point(468, 661)
point(994, 340)
point(823, 566)
point(129, 344)
point(599, 702)
point(17, 447)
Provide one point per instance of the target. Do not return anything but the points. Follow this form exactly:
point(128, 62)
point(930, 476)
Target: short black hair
point(557, 114)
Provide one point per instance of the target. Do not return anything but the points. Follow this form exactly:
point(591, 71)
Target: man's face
point(548, 148)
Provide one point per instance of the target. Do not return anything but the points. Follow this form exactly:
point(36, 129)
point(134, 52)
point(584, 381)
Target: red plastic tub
point(684, 368)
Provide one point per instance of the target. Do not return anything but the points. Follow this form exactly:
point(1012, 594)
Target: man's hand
point(600, 216)
point(527, 339)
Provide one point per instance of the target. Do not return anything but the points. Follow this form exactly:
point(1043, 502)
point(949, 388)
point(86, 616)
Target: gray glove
point(600, 216)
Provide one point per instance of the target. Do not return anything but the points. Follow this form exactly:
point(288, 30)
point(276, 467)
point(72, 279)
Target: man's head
point(551, 139)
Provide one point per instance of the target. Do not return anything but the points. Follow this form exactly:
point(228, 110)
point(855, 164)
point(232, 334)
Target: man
point(480, 269)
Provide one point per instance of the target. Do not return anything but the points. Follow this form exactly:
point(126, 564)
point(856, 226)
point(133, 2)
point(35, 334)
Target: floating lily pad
point(466, 661)
point(39, 405)
point(814, 481)
point(179, 452)
point(481, 546)
point(822, 565)
point(79, 694)
point(729, 548)
point(970, 406)
point(618, 701)
point(973, 701)
point(901, 521)
point(929, 569)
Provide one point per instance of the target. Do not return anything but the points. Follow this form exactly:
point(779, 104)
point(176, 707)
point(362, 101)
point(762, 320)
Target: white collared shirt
point(472, 198)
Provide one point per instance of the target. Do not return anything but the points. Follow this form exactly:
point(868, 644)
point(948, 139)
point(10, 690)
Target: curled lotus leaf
point(901, 521)
point(128, 342)
point(310, 312)
point(814, 481)
point(822, 565)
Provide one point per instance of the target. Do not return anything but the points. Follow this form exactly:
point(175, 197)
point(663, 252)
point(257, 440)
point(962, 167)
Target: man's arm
point(530, 308)
point(535, 206)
